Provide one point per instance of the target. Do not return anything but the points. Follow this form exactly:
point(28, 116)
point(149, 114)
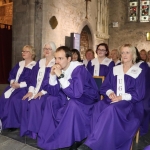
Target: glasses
point(47, 49)
point(25, 52)
point(101, 50)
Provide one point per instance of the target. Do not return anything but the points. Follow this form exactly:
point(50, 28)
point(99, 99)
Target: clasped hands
point(114, 97)
point(56, 70)
point(15, 85)
point(30, 95)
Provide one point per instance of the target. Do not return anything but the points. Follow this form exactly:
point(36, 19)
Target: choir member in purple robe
point(89, 55)
point(117, 117)
point(10, 101)
point(146, 101)
point(115, 55)
point(101, 65)
point(68, 111)
point(34, 101)
point(76, 55)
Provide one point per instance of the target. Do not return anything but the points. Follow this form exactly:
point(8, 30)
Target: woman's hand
point(15, 85)
point(38, 95)
point(115, 98)
point(112, 95)
point(28, 95)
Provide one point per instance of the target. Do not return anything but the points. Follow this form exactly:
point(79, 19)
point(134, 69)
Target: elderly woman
point(115, 55)
point(118, 116)
point(34, 100)
point(10, 101)
point(101, 65)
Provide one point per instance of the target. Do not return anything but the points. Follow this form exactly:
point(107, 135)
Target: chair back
point(99, 80)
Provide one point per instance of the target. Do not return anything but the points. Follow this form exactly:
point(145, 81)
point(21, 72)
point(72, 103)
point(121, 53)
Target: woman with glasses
point(10, 101)
point(34, 101)
point(101, 65)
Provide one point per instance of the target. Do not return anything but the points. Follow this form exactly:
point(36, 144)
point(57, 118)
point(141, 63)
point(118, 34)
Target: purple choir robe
point(106, 65)
point(10, 108)
point(147, 148)
point(32, 110)
point(68, 112)
point(115, 124)
point(146, 101)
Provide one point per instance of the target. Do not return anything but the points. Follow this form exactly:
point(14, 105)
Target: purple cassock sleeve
point(82, 86)
point(13, 72)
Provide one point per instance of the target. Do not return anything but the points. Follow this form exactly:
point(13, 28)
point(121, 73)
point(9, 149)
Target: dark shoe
point(12, 129)
point(84, 147)
point(75, 145)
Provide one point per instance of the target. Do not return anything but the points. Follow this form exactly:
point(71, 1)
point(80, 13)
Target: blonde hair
point(118, 52)
point(132, 49)
point(31, 49)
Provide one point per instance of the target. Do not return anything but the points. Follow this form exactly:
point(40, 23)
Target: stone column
point(31, 23)
point(98, 14)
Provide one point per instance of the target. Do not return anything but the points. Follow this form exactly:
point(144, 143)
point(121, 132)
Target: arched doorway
point(85, 40)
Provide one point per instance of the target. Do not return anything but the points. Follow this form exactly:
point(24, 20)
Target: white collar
point(139, 63)
point(43, 61)
point(134, 71)
point(106, 61)
point(72, 66)
point(118, 61)
point(30, 65)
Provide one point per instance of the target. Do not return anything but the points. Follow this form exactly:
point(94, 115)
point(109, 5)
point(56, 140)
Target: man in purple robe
point(68, 110)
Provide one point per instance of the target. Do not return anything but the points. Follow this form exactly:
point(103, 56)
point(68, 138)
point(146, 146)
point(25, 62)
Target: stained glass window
point(139, 10)
point(144, 11)
point(133, 10)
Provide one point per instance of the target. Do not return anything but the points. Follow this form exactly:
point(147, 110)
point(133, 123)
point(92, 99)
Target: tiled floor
point(143, 141)
point(15, 135)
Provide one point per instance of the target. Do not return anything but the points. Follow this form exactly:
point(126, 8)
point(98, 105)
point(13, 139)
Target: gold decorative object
point(53, 22)
point(148, 36)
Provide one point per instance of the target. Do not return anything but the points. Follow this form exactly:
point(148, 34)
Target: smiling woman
point(10, 101)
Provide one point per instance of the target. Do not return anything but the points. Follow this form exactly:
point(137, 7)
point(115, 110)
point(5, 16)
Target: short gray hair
point(52, 45)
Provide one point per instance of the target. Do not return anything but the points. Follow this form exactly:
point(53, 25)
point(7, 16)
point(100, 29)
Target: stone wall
point(127, 32)
point(31, 23)
point(70, 15)
point(27, 27)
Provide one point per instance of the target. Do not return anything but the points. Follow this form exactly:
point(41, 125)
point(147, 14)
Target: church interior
point(73, 23)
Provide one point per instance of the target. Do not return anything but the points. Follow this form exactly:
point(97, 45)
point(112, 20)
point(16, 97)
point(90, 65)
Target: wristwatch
point(61, 76)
